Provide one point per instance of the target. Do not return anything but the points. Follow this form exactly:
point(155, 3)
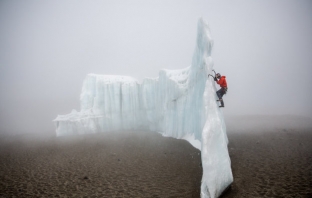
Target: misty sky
point(264, 47)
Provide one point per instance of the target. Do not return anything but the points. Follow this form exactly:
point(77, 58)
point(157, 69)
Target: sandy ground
point(126, 164)
point(270, 162)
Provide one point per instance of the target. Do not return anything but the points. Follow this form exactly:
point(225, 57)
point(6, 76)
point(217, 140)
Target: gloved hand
point(215, 78)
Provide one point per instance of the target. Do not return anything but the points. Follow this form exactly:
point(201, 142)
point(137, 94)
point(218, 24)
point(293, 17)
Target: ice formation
point(180, 103)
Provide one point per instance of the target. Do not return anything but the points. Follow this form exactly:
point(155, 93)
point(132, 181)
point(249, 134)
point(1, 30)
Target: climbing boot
point(222, 103)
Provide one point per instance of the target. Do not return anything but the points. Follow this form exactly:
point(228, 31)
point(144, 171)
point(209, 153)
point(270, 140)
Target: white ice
point(180, 103)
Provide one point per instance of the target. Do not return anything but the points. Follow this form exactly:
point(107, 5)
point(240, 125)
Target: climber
point(222, 82)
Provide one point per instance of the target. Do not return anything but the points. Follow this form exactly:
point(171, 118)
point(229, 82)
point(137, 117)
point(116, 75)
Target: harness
point(224, 89)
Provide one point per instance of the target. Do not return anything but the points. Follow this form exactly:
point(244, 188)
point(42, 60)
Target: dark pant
point(220, 94)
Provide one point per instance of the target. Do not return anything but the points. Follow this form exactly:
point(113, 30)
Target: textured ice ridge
point(179, 103)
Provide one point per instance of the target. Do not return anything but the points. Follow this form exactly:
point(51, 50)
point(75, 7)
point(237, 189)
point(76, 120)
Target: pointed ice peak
point(204, 39)
point(202, 62)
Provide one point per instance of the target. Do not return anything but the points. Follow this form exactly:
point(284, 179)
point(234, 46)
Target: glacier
point(178, 103)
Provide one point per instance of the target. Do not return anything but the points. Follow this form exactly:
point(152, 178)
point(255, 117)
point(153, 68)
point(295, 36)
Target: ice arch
point(179, 103)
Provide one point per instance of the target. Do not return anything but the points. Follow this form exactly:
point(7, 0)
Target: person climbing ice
point(222, 82)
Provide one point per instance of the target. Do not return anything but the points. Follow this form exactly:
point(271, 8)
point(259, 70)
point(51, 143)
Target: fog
point(264, 48)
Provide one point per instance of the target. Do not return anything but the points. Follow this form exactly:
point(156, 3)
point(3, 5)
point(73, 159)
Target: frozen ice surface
point(179, 103)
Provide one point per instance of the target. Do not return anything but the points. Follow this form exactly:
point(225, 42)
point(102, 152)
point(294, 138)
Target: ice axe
point(211, 75)
point(214, 72)
point(214, 77)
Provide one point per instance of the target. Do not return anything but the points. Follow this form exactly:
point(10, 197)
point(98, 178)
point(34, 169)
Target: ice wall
point(179, 103)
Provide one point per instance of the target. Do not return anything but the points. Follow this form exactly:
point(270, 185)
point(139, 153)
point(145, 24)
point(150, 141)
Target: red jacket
point(222, 82)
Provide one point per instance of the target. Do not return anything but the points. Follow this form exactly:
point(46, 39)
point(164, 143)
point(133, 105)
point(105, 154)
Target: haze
point(48, 47)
